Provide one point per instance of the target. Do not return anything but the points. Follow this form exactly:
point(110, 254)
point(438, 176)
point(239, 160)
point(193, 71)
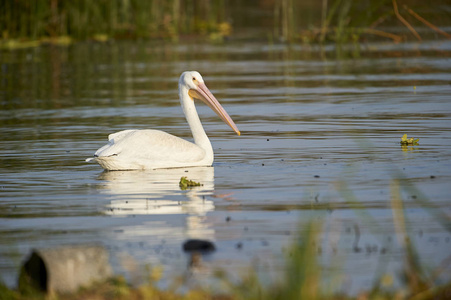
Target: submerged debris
point(185, 183)
point(409, 142)
point(204, 246)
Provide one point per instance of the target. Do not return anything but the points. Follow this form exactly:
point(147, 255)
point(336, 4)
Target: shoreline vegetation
point(32, 23)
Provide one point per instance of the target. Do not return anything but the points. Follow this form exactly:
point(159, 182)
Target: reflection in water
point(157, 192)
point(406, 148)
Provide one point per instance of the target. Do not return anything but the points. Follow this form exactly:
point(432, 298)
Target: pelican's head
point(194, 83)
point(191, 79)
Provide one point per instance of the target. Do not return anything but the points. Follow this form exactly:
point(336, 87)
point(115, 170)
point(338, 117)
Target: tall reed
point(343, 21)
point(84, 19)
point(287, 20)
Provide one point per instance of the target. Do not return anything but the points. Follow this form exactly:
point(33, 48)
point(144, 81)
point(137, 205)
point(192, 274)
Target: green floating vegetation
point(409, 141)
point(185, 183)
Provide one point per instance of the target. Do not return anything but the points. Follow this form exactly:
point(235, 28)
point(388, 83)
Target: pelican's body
point(155, 149)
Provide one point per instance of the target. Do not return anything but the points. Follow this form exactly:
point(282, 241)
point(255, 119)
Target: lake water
point(320, 142)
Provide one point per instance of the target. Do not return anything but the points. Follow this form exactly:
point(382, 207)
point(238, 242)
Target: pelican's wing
point(153, 145)
point(115, 137)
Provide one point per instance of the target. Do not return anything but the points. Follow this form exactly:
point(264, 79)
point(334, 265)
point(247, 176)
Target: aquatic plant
point(185, 183)
point(411, 141)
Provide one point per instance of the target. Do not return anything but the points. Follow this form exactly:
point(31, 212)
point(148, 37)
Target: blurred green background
point(217, 20)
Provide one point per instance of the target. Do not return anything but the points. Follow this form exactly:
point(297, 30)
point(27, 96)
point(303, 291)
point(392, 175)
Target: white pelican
point(155, 149)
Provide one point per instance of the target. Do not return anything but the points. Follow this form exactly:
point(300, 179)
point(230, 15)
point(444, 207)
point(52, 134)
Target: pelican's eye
point(194, 79)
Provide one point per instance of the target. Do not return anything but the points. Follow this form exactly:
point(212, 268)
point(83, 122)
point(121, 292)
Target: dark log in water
point(64, 269)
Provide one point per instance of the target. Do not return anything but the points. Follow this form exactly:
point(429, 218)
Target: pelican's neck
point(199, 135)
